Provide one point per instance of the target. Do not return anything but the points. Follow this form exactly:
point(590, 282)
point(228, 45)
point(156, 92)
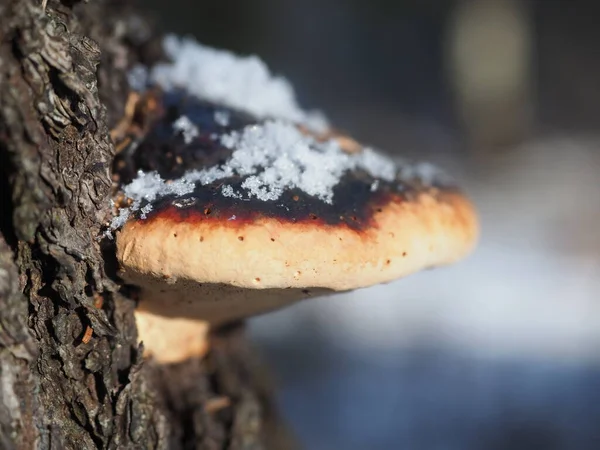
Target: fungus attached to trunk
point(231, 216)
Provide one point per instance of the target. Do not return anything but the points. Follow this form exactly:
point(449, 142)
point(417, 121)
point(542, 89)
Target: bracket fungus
point(234, 213)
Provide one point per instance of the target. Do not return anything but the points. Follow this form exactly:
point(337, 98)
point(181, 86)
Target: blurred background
point(501, 351)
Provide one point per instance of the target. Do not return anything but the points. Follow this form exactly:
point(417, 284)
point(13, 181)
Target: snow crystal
point(187, 129)
point(376, 164)
point(228, 191)
point(119, 220)
point(147, 187)
point(426, 173)
point(222, 118)
point(137, 77)
point(274, 157)
point(240, 82)
point(150, 186)
point(184, 202)
point(145, 210)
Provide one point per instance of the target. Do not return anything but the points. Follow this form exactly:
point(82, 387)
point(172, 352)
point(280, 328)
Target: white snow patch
point(426, 173)
point(188, 130)
point(228, 191)
point(147, 187)
point(240, 82)
point(273, 157)
point(222, 118)
point(277, 157)
point(145, 210)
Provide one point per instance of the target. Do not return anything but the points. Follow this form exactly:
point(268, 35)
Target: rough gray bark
point(62, 86)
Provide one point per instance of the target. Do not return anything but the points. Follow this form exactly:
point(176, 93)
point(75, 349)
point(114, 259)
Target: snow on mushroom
point(243, 83)
point(267, 214)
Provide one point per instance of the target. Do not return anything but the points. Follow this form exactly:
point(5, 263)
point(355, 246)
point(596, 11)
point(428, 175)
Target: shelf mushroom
point(255, 215)
point(232, 214)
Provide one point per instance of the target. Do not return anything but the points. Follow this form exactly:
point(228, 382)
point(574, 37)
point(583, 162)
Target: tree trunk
point(71, 372)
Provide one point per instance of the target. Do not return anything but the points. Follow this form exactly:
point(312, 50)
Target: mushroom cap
point(225, 249)
point(231, 269)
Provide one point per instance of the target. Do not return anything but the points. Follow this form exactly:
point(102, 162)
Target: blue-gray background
point(500, 351)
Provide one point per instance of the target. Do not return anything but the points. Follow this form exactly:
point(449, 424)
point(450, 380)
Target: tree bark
point(71, 371)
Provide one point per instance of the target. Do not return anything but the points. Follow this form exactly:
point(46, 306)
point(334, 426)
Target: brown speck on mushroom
point(240, 238)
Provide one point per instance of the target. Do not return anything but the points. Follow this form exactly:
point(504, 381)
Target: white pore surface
point(272, 157)
point(531, 289)
point(240, 82)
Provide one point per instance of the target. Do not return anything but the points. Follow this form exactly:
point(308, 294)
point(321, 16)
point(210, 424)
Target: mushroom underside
point(174, 320)
point(214, 303)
